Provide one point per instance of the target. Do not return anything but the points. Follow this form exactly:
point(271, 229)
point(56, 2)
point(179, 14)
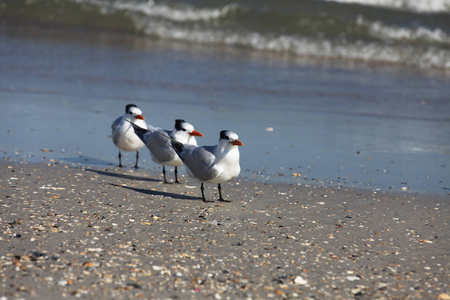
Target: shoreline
point(259, 178)
point(104, 233)
point(328, 121)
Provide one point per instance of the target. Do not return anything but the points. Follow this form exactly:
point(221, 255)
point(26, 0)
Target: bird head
point(183, 126)
point(230, 137)
point(134, 112)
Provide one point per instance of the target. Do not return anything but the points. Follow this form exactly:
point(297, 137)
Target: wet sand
point(106, 233)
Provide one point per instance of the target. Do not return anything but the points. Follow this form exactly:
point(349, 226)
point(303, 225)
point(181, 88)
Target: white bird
point(212, 164)
point(158, 142)
point(123, 134)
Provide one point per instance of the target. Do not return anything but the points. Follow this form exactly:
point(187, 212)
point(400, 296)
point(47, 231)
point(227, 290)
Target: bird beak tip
point(196, 133)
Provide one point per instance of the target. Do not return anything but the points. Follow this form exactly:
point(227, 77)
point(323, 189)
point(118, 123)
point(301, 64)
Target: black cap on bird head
point(128, 107)
point(223, 135)
point(178, 123)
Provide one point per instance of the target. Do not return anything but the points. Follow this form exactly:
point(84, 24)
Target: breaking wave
point(415, 33)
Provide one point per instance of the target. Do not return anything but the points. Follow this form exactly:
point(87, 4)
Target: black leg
point(164, 174)
point(220, 194)
point(203, 194)
point(176, 175)
point(120, 159)
point(137, 159)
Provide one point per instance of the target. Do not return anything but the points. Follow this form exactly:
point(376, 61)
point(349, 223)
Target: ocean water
point(308, 118)
point(407, 32)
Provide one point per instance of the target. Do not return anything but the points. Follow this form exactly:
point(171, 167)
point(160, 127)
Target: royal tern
point(212, 164)
point(123, 134)
point(158, 142)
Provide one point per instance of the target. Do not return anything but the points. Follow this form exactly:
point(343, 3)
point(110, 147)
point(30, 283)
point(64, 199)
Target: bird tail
point(140, 132)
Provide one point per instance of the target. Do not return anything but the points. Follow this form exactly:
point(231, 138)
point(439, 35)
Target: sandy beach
point(109, 233)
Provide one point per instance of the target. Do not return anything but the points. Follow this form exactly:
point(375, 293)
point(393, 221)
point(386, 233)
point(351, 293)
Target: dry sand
point(108, 233)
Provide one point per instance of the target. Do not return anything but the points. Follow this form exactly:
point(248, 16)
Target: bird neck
point(223, 148)
point(180, 136)
point(128, 117)
point(183, 137)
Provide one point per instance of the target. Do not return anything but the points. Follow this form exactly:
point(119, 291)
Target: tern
point(158, 142)
point(123, 134)
point(212, 164)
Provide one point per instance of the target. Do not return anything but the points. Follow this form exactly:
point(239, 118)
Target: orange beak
point(195, 133)
point(237, 143)
point(140, 117)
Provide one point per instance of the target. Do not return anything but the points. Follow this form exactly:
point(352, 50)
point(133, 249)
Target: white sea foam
point(413, 5)
point(410, 34)
point(420, 33)
point(178, 14)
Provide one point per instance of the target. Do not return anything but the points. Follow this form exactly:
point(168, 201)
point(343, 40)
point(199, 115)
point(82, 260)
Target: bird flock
point(208, 164)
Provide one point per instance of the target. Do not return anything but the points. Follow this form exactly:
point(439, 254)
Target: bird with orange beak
point(212, 164)
point(158, 143)
point(123, 135)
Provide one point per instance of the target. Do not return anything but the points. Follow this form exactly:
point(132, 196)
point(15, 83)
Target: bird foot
point(223, 200)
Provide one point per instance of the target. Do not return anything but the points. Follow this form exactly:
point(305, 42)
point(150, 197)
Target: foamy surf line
point(413, 5)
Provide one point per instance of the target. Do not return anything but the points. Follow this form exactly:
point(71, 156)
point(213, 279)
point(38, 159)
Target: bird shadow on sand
point(158, 193)
point(123, 176)
point(86, 160)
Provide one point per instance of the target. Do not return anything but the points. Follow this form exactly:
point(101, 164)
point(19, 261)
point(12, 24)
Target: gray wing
point(158, 143)
point(200, 161)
